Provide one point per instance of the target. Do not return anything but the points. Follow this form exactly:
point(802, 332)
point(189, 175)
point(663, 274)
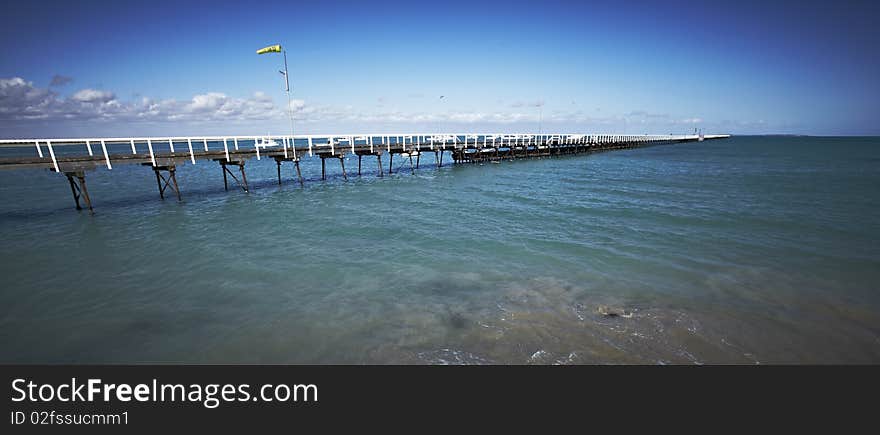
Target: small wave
point(452, 357)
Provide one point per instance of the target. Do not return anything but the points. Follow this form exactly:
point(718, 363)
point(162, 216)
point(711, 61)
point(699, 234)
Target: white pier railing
point(293, 146)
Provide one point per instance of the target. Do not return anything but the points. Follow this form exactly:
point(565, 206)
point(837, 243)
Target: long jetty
point(74, 157)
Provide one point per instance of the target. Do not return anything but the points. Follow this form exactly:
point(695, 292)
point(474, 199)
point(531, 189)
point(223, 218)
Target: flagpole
point(289, 108)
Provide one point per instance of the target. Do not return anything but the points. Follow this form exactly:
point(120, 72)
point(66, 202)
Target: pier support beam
point(299, 174)
point(342, 163)
point(280, 158)
point(379, 160)
point(242, 182)
point(77, 180)
point(165, 182)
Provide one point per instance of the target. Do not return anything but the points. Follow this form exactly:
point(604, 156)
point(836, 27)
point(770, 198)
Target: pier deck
point(73, 157)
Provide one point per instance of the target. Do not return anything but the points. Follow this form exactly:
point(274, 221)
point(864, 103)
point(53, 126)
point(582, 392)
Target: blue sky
point(125, 68)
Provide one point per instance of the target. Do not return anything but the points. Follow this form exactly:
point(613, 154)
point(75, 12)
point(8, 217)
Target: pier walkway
point(74, 157)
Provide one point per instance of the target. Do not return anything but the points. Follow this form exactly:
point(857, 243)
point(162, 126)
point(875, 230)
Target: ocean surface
point(747, 250)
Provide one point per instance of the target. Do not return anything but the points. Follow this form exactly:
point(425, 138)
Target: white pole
point(106, 157)
point(150, 147)
point(235, 140)
point(206, 143)
point(133, 149)
point(289, 107)
point(226, 148)
point(258, 148)
point(171, 145)
point(89, 146)
point(52, 154)
point(310, 146)
point(40, 152)
point(192, 157)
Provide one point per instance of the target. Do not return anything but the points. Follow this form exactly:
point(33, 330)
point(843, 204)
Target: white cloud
point(691, 121)
point(211, 101)
point(21, 101)
point(93, 96)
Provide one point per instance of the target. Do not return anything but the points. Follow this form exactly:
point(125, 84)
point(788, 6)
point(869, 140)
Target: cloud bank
point(22, 103)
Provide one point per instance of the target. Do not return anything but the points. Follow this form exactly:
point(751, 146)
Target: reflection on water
point(751, 250)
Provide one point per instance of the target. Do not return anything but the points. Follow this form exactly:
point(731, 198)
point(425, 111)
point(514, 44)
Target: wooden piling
point(298, 173)
point(243, 183)
point(164, 183)
point(342, 163)
point(73, 190)
point(171, 181)
point(243, 176)
point(77, 180)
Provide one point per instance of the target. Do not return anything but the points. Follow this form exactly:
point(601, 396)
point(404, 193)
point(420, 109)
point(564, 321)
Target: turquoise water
point(747, 250)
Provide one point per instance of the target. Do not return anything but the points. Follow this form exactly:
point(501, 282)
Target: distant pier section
point(75, 157)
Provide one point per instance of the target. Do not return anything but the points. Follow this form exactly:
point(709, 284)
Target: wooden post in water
point(173, 174)
point(163, 182)
point(73, 189)
point(77, 180)
point(242, 183)
point(379, 160)
point(298, 173)
point(243, 176)
point(159, 183)
point(342, 163)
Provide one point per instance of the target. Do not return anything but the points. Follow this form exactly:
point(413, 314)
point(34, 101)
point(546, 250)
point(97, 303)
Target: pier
point(75, 157)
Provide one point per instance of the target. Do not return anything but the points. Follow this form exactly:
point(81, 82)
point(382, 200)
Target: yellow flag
point(270, 49)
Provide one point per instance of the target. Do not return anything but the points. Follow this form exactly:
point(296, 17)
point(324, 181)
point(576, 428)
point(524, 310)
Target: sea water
point(745, 250)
